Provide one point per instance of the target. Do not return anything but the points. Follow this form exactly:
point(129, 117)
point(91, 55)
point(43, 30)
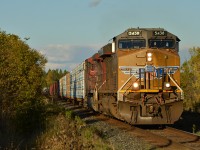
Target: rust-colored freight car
point(68, 85)
point(54, 89)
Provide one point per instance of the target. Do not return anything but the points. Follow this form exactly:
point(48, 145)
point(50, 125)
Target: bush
point(70, 132)
point(30, 116)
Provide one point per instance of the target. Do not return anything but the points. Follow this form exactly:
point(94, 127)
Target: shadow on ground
point(189, 121)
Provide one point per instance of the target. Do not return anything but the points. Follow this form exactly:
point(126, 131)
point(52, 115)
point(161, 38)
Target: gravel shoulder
point(120, 139)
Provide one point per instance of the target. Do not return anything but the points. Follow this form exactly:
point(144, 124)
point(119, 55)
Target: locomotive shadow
point(87, 115)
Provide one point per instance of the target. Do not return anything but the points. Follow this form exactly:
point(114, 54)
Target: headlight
point(149, 59)
point(135, 85)
point(167, 85)
point(149, 56)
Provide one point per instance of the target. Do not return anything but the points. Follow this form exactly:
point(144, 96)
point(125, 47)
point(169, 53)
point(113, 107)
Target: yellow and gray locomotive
point(136, 77)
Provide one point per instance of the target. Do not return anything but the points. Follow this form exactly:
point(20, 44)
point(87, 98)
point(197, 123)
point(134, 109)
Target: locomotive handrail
point(123, 86)
point(182, 94)
point(102, 84)
point(128, 88)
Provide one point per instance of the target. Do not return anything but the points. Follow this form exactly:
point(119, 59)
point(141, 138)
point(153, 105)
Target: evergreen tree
point(54, 75)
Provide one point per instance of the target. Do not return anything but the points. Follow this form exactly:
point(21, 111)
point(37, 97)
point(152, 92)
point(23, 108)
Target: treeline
point(54, 75)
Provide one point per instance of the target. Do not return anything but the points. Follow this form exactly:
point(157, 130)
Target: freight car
point(77, 83)
point(61, 89)
point(54, 90)
point(135, 78)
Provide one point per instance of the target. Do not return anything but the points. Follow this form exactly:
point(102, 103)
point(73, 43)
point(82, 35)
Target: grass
point(62, 130)
point(68, 131)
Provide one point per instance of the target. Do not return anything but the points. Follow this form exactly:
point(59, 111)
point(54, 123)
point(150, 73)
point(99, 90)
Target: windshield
point(158, 43)
point(129, 44)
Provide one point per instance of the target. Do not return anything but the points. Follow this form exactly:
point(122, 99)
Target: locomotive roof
point(145, 30)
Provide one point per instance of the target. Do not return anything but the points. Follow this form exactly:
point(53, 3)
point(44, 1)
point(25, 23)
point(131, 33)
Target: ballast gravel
point(120, 139)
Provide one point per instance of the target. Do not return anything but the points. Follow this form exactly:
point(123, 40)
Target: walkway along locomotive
point(135, 78)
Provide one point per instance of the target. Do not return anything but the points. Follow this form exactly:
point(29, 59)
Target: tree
point(21, 73)
point(190, 79)
point(54, 75)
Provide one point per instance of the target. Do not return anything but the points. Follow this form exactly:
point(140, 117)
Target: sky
point(67, 32)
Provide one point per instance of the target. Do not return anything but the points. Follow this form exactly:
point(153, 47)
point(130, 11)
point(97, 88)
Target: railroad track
point(167, 138)
point(188, 140)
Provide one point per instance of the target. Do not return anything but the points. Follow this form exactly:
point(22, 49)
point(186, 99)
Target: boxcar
point(77, 82)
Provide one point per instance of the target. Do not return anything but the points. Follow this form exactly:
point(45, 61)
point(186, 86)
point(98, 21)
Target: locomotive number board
point(134, 33)
point(159, 33)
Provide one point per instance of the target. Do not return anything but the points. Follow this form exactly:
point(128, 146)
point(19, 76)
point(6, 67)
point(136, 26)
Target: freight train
point(135, 78)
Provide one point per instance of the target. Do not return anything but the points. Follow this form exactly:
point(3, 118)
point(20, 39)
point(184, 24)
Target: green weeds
point(69, 131)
